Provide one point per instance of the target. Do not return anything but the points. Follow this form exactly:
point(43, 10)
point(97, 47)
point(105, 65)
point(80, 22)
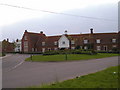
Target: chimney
point(25, 30)
point(7, 40)
point(119, 32)
point(17, 40)
point(41, 32)
point(91, 30)
point(66, 32)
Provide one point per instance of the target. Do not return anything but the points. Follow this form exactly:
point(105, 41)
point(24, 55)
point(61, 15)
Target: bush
point(3, 54)
point(75, 51)
point(50, 53)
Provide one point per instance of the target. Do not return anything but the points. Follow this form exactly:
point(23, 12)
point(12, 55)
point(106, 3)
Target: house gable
point(63, 42)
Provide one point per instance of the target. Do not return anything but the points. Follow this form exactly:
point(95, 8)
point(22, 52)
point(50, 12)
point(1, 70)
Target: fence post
point(66, 56)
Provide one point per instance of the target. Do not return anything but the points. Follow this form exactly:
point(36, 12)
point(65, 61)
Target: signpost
point(31, 57)
point(66, 55)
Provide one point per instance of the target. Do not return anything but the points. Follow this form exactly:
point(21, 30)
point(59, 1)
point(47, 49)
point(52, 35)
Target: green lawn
point(70, 57)
point(107, 78)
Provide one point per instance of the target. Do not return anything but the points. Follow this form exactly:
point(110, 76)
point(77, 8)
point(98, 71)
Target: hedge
point(76, 51)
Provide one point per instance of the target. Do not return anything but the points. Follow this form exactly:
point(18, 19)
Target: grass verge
point(107, 78)
point(70, 57)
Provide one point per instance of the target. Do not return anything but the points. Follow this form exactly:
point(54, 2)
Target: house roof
point(37, 38)
point(34, 37)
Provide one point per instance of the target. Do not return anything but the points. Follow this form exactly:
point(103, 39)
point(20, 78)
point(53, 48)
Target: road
point(17, 73)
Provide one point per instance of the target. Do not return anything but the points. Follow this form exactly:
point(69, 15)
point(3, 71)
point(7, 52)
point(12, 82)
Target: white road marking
point(16, 65)
point(1, 58)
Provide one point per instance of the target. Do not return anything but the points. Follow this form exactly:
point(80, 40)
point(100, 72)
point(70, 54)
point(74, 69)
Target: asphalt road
point(17, 73)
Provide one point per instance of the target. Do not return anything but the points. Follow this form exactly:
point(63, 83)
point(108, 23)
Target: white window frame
point(85, 47)
point(32, 49)
point(43, 49)
point(98, 48)
point(43, 43)
point(105, 46)
point(55, 43)
point(72, 47)
point(98, 41)
point(114, 46)
point(25, 43)
point(55, 48)
point(85, 41)
point(72, 42)
point(81, 47)
point(113, 40)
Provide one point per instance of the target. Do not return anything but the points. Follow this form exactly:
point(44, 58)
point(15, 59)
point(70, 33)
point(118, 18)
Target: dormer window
point(43, 43)
point(72, 42)
point(85, 41)
point(113, 40)
point(55, 43)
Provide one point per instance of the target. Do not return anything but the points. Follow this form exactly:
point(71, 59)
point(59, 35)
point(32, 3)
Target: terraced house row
point(39, 42)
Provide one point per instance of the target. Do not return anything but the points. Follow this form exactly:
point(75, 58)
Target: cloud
point(54, 24)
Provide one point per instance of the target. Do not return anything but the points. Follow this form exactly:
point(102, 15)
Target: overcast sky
point(53, 17)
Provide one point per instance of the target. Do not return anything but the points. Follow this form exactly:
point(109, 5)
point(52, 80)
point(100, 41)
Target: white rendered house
point(18, 46)
point(63, 42)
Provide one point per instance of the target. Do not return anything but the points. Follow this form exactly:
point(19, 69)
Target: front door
point(105, 48)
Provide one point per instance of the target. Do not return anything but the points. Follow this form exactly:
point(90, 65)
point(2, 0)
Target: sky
point(53, 17)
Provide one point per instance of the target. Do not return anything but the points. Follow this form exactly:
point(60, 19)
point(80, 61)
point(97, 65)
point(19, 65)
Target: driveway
point(17, 73)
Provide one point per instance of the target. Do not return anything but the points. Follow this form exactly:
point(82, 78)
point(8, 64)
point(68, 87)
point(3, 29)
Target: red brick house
point(7, 46)
point(39, 42)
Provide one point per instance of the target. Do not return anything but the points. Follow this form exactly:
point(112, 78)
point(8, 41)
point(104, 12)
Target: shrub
point(75, 51)
point(3, 54)
point(50, 53)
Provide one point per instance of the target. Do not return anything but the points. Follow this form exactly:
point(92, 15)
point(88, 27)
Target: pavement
point(18, 73)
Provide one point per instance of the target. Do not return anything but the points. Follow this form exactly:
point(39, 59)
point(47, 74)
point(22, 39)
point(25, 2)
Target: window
point(98, 48)
point(25, 44)
point(105, 48)
point(43, 49)
point(114, 40)
point(43, 43)
point(63, 42)
point(85, 41)
point(49, 49)
point(114, 46)
point(32, 49)
point(72, 47)
point(85, 47)
point(72, 42)
point(25, 37)
point(81, 47)
point(55, 43)
point(98, 41)
point(55, 48)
